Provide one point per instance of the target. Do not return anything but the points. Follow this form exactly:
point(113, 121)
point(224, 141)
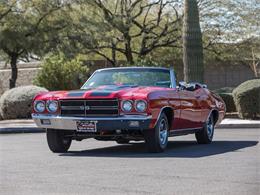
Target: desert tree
point(127, 28)
point(231, 31)
point(25, 28)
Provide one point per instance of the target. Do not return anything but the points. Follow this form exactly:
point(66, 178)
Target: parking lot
point(230, 165)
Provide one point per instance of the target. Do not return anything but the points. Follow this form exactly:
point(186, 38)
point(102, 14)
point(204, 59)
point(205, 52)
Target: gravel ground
point(230, 165)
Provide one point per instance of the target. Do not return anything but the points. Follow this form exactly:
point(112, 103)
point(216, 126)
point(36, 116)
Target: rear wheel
point(157, 139)
point(57, 140)
point(205, 136)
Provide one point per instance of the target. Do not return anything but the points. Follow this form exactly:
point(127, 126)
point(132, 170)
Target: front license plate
point(86, 126)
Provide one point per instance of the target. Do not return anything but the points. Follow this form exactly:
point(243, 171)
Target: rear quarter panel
point(220, 105)
point(210, 103)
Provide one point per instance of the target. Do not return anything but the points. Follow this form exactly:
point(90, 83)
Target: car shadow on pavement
point(175, 149)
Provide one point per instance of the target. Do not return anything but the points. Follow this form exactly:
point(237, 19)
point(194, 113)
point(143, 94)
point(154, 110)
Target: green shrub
point(226, 94)
point(224, 90)
point(229, 101)
point(59, 73)
point(17, 102)
point(247, 99)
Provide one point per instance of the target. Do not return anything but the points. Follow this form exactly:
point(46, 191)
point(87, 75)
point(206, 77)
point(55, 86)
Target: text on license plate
point(86, 126)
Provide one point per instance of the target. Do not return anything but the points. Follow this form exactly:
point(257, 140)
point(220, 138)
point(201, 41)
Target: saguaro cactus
point(192, 43)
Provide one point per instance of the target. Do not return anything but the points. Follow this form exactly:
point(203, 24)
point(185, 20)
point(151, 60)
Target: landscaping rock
point(17, 102)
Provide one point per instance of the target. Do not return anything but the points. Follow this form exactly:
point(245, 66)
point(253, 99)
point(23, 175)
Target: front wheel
point(57, 140)
point(157, 139)
point(205, 136)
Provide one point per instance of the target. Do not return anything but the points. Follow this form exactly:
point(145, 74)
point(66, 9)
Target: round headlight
point(52, 106)
point(127, 106)
point(39, 106)
point(140, 105)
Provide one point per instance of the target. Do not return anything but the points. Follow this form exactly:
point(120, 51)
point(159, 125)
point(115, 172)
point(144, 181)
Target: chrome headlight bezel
point(52, 106)
point(140, 105)
point(129, 103)
point(37, 103)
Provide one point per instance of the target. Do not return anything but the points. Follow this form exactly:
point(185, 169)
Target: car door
point(175, 103)
point(190, 116)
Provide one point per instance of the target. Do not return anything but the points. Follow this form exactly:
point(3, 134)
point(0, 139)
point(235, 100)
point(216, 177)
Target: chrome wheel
point(205, 135)
point(156, 139)
point(163, 130)
point(210, 127)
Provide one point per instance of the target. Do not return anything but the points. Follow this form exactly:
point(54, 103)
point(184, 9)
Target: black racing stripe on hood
point(107, 90)
point(77, 93)
point(100, 93)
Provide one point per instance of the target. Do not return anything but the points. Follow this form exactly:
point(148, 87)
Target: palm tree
point(192, 43)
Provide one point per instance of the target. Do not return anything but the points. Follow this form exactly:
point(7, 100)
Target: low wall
point(26, 74)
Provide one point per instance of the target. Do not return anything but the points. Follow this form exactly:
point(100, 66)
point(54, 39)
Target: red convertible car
point(125, 104)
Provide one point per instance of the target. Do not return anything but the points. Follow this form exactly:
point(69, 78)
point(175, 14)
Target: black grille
point(95, 107)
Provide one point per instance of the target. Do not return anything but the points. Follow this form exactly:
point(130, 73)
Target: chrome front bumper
point(103, 123)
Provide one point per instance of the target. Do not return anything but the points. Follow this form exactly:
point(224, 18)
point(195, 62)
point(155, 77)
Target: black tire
point(122, 141)
point(57, 141)
point(205, 136)
point(156, 139)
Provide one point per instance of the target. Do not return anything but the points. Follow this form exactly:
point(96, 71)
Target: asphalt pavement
point(230, 165)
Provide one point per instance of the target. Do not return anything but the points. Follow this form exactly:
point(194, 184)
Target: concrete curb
point(19, 126)
point(21, 130)
point(237, 126)
point(238, 123)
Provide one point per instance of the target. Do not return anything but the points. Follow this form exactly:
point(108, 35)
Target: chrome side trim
point(177, 132)
point(187, 129)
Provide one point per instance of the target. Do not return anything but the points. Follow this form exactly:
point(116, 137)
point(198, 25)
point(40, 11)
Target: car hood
point(102, 92)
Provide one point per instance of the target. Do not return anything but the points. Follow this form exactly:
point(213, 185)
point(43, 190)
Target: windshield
point(139, 77)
